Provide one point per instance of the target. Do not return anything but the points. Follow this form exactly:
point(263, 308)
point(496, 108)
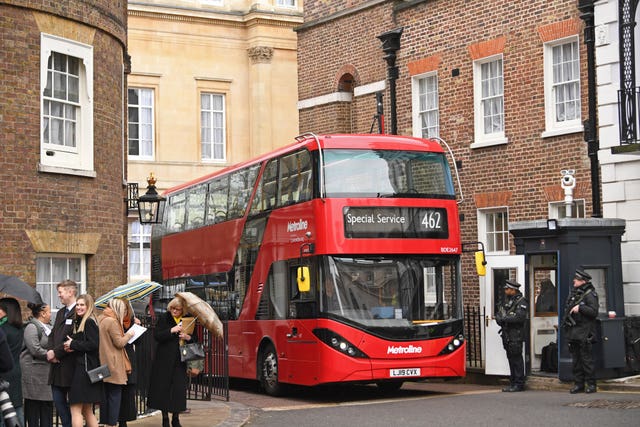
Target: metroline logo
point(298, 225)
point(403, 350)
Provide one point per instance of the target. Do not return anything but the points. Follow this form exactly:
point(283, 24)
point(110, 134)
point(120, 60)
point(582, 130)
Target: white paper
point(138, 330)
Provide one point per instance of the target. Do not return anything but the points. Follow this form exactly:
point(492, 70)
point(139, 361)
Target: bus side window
point(175, 221)
point(217, 200)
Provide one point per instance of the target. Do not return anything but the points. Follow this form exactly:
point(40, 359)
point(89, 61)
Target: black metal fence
point(473, 318)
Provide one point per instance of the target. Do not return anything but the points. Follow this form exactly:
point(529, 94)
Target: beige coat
point(112, 353)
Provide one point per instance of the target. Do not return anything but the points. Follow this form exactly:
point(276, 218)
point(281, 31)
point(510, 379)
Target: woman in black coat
point(84, 344)
point(168, 384)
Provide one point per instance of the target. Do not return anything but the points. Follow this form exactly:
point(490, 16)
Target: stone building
point(618, 75)
point(503, 83)
point(212, 83)
point(62, 164)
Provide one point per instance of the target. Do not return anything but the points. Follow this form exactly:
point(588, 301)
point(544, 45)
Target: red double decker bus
point(334, 259)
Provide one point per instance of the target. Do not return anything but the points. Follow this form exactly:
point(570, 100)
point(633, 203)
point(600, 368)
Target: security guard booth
point(552, 250)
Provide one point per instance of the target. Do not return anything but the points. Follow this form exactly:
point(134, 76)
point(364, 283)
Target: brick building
point(62, 164)
point(503, 83)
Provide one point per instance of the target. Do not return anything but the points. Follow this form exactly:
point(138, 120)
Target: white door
point(499, 269)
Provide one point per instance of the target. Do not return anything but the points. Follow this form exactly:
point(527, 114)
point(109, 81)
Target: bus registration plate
point(405, 372)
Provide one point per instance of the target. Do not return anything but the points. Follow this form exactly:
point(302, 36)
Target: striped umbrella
point(131, 291)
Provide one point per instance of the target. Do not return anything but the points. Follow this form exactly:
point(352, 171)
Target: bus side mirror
point(304, 279)
point(481, 263)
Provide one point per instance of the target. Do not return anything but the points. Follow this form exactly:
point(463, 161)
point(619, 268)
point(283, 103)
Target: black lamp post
point(390, 45)
point(151, 204)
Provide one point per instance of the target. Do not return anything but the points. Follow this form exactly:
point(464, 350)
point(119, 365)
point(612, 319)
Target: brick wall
point(454, 31)
point(72, 208)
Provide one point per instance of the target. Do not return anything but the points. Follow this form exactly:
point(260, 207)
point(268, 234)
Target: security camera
point(568, 179)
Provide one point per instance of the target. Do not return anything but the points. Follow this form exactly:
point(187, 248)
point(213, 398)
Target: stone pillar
point(260, 98)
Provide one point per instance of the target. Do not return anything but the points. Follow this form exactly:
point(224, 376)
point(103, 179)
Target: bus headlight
point(338, 343)
point(453, 345)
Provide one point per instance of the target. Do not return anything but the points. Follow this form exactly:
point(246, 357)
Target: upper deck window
point(388, 173)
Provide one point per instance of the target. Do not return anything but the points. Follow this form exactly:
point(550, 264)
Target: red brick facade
point(446, 36)
point(48, 212)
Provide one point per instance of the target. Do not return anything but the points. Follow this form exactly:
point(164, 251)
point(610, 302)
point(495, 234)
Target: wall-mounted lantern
point(151, 204)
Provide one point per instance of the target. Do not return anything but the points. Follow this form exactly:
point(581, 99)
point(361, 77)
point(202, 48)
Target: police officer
point(512, 317)
point(579, 323)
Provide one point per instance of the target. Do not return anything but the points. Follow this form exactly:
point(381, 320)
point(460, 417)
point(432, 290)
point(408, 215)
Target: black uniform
point(579, 330)
point(512, 317)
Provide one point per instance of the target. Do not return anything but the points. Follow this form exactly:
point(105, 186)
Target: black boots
point(578, 388)
point(513, 388)
point(175, 420)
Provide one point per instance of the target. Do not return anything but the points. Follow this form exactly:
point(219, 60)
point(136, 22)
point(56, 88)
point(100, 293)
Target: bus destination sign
point(395, 222)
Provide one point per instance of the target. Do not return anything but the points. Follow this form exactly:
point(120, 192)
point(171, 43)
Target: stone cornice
point(222, 18)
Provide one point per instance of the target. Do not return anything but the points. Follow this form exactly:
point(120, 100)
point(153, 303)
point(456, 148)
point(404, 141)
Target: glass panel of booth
point(599, 280)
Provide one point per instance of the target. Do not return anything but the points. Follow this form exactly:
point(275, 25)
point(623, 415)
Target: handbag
point(193, 351)
point(98, 374)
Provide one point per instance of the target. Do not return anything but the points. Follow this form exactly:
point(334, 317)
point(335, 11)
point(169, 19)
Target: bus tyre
point(389, 386)
point(269, 371)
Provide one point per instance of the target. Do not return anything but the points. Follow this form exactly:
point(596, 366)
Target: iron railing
point(473, 326)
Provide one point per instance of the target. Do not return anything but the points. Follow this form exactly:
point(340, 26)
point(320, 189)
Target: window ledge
point(489, 143)
point(66, 171)
point(564, 131)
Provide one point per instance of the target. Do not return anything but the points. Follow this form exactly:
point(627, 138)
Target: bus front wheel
point(269, 371)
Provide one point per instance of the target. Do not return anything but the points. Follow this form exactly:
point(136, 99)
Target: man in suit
point(62, 365)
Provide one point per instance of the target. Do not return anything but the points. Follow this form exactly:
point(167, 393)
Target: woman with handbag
point(168, 384)
point(113, 340)
point(84, 344)
point(38, 401)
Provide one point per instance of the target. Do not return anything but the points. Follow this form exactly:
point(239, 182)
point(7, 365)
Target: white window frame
point(77, 159)
point(557, 209)
point(286, 3)
point(482, 139)
point(139, 242)
point(487, 236)
point(150, 142)
point(420, 104)
point(553, 126)
point(46, 281)
point(207, 127)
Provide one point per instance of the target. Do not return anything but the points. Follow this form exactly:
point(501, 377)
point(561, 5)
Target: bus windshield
point(396, 291)
point(386, 173)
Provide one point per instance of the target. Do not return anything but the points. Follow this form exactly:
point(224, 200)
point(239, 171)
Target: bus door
point(499, 269)
point(301, 345)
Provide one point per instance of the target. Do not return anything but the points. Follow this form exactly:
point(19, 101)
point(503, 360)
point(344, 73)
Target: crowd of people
point(46, 364)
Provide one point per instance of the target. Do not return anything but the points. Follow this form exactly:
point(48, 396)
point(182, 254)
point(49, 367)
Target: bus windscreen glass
point(395, 291)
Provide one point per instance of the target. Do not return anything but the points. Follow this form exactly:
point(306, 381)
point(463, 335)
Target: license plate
point(405, 372)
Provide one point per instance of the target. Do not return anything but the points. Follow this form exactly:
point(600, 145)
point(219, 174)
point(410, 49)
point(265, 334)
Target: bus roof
point(354, 141)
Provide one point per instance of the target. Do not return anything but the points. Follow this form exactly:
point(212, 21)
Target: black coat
point(584, 321)
point(6, 360)
point(168, 383)
point(62, 373)
point(15, 340)
point(512, 317)
point(85, 343)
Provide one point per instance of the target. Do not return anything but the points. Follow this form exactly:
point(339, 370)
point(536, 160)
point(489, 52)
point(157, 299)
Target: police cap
point(512, 284)
point(582, 275)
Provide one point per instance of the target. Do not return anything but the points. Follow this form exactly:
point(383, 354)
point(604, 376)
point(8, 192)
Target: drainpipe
point(590, 125)
point(390, 45)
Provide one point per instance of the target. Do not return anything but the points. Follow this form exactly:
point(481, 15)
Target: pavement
point(221, 413)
